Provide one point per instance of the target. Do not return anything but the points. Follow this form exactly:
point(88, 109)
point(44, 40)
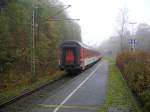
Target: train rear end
point(69, 57)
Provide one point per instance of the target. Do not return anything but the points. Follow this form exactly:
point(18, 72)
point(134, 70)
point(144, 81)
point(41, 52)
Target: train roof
point(78, 43)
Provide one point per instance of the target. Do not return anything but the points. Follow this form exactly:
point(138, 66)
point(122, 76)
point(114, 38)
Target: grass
point(110, 59)
point(4, 95)
point(117, 93)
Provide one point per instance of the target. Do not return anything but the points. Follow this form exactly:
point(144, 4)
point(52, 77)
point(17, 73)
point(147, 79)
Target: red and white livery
point(75, 55)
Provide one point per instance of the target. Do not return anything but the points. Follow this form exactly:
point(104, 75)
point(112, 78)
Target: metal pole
point(133, 37)
point(33, 46)
point(132, 25)
point(63, 19)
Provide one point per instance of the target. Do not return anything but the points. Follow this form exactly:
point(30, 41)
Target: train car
point(75, 55)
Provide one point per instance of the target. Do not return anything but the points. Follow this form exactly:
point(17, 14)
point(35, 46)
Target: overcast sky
point(98, 18)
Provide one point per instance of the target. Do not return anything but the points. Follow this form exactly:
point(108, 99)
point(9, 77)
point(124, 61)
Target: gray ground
point(81, 93)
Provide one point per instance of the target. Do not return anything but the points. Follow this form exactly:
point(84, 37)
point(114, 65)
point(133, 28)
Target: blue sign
point(132, 41)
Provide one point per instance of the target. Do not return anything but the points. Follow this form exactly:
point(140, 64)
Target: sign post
point(132, 42)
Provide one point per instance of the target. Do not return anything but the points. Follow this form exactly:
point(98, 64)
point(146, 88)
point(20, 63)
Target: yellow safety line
point(70, 106)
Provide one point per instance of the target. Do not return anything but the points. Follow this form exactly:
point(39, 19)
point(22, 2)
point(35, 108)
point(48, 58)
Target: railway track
point(30, 99)
point(25, 93)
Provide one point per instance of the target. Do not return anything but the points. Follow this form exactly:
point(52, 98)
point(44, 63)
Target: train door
point(69, 56)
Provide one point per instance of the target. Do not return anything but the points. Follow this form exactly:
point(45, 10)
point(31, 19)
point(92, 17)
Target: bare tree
point(122, 20)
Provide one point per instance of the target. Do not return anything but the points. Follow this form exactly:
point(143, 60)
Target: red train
point(75, 55)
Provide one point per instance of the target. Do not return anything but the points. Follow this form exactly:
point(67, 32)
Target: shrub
point(135, 67)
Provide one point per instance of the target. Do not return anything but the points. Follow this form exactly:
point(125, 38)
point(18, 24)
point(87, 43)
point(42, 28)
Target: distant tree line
point(142, 35)
point(122, 40)
point(16, 36)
